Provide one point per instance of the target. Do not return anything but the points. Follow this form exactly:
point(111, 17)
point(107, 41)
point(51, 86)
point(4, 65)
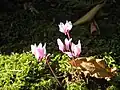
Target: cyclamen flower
point(70, 48)
point(64, 47)
point(39, 51)
point(76, 49)
point(65, 28)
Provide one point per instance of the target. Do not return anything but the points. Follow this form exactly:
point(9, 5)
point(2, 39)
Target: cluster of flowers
point(68, 47)
point(73, 51)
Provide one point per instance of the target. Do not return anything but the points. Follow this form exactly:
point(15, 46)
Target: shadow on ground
point(21, 28)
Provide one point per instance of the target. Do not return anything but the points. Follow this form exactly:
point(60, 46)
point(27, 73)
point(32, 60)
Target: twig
point(53, 73)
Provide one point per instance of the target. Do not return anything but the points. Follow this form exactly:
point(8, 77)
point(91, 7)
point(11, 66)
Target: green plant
point(22, 71)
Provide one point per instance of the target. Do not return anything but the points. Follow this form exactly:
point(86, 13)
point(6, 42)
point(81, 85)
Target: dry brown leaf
point(94, 67)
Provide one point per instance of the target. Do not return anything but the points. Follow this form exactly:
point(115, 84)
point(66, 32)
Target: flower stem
point(53, 73)
point(68, 35)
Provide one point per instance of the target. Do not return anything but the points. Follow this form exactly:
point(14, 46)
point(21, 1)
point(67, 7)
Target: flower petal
point(72, 47)
point(79, 45)
point(76, 51)
point(60, 44)
point(44, 48)
point(40, 45)
point(78, 48)
point(68, 25)
point(33, 47)
point(61, 27)
point(65, 28)
point(39, 53)
point(67, 43)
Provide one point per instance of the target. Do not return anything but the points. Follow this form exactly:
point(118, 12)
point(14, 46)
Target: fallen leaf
point(90, 15)
point(93, 67)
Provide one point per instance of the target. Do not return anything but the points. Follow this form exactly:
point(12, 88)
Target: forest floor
point(21, 28)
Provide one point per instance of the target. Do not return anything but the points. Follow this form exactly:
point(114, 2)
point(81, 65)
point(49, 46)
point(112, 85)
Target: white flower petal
point(44, 48)
point(67, 43)
point(76, 51)
point(72, 47)
point(65, 28)
point(61, 27)
point(68, 25)
point(40, 45)
point(60, 44)
point(33, 47)
point(79, 46)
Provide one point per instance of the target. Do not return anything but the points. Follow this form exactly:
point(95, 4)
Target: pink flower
point(65, 28)
point(67, 43)
point(39, 51)
point(69, 48)
point(64, 47)
point(76, 49)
